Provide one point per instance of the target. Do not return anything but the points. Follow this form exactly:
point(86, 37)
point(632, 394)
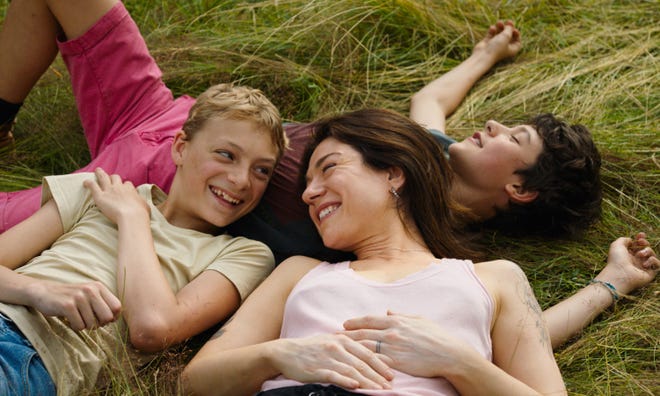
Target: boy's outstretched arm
point(83, 305)
point(437, 100)
point(631, 263)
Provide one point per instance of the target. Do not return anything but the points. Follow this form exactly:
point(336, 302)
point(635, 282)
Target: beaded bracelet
point(610, 288)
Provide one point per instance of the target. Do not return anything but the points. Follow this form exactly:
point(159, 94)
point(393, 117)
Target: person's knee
point(77, 16)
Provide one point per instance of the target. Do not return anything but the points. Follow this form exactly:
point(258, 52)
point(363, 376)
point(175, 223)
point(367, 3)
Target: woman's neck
point(387, 250)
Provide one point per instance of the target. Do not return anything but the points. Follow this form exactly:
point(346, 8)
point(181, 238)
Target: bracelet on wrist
point(610, 288)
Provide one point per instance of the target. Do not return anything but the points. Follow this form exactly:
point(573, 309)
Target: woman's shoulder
point(498, 275)
point(295, 267)
point(499, 267)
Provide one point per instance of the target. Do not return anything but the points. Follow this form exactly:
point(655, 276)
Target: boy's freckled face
point(225, 170)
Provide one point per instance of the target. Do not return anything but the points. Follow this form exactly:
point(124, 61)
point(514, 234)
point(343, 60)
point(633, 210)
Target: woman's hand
point(116, 199)
point(411, 344)
point(83, 306)
point(330, 358)
point(631, 263)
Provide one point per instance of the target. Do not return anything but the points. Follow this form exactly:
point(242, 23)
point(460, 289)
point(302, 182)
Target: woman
point(372, 177)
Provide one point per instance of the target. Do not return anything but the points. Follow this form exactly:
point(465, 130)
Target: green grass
point(594, 62)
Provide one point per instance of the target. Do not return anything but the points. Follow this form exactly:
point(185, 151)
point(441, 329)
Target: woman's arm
point(523, 363)
point(631, 263)
point(84, 306)
point(431, 105)
point(521, 344)
point(234, 360)
point(246, 351)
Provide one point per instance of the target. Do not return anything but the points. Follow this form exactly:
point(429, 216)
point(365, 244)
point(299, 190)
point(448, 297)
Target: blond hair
point(238, 103)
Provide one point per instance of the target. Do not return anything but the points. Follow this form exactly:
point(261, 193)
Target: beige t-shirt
point(87, 252)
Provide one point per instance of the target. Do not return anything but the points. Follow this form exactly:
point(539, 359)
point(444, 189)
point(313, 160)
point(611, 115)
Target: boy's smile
point(224, 170)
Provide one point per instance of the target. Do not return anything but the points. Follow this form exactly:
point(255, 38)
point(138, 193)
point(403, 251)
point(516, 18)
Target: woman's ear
point(178, 147)
point(396, 177)
point(519, 195)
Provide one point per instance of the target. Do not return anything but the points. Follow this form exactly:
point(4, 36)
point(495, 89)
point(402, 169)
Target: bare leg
point(28, 47)
point(77, 16)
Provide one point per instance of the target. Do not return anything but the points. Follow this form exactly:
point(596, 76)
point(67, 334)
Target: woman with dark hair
point(372, 179)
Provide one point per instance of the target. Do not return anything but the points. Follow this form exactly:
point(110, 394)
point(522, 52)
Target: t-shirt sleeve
point(246, 263)
point(444, 140)
point(71, 197)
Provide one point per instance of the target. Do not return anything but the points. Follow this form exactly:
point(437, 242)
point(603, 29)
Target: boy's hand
point(116, 199)
point(631, 263)
point(501, 42)
point(83, 305)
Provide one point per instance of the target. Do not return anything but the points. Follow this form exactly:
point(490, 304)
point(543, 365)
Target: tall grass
point(593, 62)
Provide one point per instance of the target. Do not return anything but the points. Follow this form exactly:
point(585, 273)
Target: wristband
point(610, 288)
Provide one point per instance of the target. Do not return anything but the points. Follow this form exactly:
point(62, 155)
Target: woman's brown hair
point(387, 139)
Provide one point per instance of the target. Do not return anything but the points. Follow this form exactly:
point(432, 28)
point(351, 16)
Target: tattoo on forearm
point(534, 308)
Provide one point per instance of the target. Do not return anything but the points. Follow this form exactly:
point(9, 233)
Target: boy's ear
point(178, 147)
point(396, 177)
point(518, 194)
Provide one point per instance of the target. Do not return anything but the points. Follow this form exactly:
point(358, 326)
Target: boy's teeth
point(224, 196)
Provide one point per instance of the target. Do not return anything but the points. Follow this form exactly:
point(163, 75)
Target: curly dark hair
point(567, 178)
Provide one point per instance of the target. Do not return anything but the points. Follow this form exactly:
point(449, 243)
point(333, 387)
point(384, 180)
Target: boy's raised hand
point(631, 263)
point(501, 42)
point(116, 199)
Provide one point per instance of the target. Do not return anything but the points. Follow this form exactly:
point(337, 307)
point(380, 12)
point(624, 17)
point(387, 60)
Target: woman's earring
point(395, 193)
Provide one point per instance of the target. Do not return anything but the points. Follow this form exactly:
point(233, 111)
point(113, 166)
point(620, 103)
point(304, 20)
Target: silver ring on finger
point(378, 346)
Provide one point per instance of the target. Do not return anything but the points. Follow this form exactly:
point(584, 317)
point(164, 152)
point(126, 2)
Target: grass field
point(593, 62)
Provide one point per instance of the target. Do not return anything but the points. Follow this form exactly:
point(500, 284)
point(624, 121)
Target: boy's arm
point(631, 263)
point(84, 306)
point(436, 101)
point(29, 238)
point(157, 316)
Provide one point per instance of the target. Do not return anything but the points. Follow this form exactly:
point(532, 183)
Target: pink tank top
point(447, 292)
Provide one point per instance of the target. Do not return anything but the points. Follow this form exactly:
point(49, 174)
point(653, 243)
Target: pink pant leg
point(17, 206)
point(116, 82)
point(128, 114)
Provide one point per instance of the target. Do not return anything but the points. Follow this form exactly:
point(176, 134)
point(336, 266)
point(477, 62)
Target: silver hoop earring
point(395, 193)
